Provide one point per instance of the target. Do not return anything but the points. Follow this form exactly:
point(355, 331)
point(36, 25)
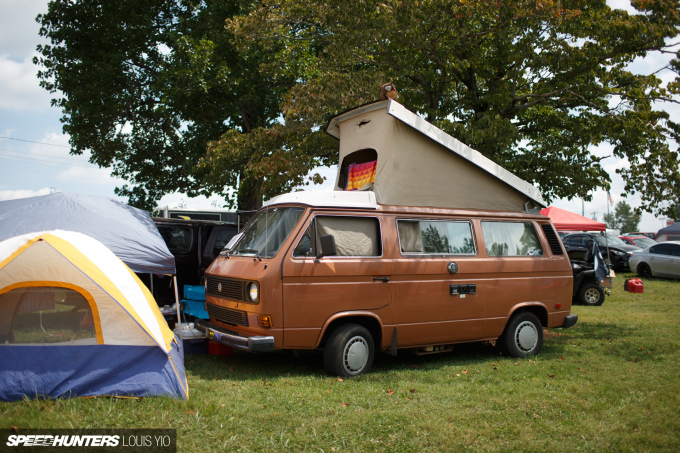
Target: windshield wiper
point(256, 252)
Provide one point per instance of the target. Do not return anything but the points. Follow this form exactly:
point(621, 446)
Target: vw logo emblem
point(219, 287)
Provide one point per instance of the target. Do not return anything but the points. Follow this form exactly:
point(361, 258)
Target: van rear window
point(435, 237)
point(511, 239)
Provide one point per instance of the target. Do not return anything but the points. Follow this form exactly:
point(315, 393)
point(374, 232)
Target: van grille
point(553, 240)
point(227, 315)
point(225, 288)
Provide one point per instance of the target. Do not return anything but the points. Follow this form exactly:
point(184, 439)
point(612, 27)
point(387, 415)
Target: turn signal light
point(264, 321)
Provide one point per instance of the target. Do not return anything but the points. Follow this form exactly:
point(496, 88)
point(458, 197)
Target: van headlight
point(253, 291)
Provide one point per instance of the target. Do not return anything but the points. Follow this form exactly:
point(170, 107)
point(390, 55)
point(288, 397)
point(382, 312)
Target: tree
point(623, 218)
point(533, 85)
point(145, 84)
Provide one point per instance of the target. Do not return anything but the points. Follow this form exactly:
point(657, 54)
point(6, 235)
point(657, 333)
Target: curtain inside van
point(354, 236)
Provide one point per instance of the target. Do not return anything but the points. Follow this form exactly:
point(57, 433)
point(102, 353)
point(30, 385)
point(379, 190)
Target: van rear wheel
point(523, 336)
point(349, 351)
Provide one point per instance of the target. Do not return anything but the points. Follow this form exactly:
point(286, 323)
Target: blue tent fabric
point(86, 371)
point(128, 232)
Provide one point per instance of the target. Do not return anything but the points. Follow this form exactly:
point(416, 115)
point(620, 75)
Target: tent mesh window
point(363, 156)
point(45, 315)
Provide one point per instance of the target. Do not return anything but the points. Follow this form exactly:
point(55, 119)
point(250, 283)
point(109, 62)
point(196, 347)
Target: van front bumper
point(569, 321)
point(233, 339)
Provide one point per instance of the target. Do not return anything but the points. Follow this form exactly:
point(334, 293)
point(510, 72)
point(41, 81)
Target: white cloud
point(20, 86)
point(19, 32)
point(88, 177)
point(15, 194)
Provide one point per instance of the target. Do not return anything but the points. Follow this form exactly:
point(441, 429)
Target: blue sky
point(34, 153)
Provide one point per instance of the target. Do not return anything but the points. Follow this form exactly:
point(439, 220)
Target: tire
point(643, 270)
point(523, 336)
point(591, 294)
point(349, 351)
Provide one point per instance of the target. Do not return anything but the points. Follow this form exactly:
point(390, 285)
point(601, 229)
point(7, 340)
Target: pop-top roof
point(418, 164)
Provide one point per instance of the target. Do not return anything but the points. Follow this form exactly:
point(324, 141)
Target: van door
point(356, 279)
point(438, 282)
point(518, 269)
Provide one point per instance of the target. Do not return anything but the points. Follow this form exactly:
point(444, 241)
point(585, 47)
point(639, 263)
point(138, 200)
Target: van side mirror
point(327, 246)
point(589, 244)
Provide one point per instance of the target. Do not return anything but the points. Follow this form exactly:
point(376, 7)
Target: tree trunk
point(249, 198)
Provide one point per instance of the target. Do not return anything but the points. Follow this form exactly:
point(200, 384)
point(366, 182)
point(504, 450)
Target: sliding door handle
point(381, 279)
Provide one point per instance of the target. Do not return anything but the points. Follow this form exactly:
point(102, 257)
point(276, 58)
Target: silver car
point(659, 260)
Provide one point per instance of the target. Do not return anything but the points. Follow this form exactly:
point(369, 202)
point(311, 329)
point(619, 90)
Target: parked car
point(639, 233)
point(194, 244)
point(639, 241)
point(659, 260)
point(615, 252)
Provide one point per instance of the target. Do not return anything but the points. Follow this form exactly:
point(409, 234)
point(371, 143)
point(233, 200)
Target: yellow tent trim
point(168, 335)
point(20, 250)
point(83, 263)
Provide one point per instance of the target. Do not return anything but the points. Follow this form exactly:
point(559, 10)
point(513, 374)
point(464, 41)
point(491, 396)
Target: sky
point(34, 153)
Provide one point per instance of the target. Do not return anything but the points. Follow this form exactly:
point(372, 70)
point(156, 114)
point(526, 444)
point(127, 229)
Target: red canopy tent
point(568, 221)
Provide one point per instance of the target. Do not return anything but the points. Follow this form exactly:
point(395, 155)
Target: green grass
point(610, 383)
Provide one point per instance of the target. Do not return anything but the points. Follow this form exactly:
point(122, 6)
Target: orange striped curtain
point(360, 174)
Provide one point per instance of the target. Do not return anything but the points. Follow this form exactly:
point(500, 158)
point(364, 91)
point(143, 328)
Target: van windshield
point(267, 231)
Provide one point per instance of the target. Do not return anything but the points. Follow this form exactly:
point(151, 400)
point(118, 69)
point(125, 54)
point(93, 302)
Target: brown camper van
point(349, 273)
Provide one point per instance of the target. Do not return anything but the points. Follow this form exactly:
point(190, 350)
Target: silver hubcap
point(592, 295)
point(355, 355)
point(526, 336)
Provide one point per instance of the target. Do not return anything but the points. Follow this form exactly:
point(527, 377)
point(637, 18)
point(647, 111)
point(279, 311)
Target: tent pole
point(177, 305)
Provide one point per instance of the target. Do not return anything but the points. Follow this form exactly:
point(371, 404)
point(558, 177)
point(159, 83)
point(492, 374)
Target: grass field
point(611, 383)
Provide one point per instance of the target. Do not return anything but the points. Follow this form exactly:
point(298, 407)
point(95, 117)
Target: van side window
point(436, 237)
point(354, 236)
point(511, 239)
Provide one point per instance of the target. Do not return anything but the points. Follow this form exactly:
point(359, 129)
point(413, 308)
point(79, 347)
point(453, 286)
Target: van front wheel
point(523, 336)
point(349, 351)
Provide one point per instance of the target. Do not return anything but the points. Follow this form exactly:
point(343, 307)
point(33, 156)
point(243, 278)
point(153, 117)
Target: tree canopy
point(145, 84)
point(174, 100)
point(534, 85)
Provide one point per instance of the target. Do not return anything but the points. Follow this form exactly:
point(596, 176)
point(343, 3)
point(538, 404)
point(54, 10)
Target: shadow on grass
point(279, 364)
point(584, 339)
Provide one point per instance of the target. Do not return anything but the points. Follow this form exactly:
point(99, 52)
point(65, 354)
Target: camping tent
point(128, 232)
point(568, 221)
point(76, 321)
point(670, 233)
point(407, 161)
